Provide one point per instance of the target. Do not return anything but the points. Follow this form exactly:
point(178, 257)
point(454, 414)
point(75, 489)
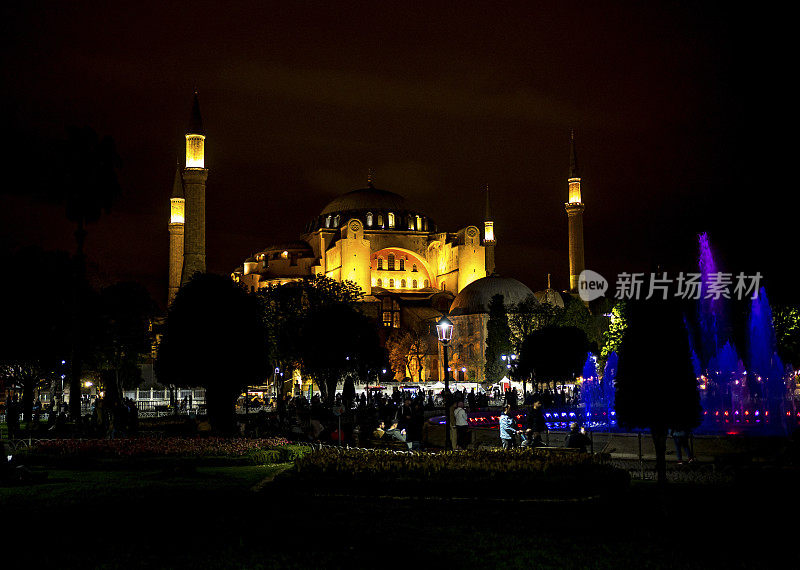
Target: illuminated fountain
point(736, 397)
point(597, 393)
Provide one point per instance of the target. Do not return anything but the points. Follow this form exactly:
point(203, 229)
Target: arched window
point(427, 283)
point(414, 267)
point(391, 262)
point(336, 221)
point(380, 220)
point(414, 283)
point(410, 223)
point(390, 219)
point(369, 218)
point(380, 263)
point(425, 224)
point(403, 283)
point(444, 287)
point(419, 223)
point(328, 222)
point(402, 264)
point(391, 283)
point(380, 282)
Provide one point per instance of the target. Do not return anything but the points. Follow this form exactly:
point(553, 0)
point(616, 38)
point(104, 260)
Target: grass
point(213, 518)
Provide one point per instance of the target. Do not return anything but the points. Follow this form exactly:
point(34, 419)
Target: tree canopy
point(337, 341)
point(554, 353)
point(498, 340)
point(215, 337)
point(125, 312)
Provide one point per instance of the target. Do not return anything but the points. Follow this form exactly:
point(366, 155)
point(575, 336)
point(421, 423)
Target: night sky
point(681, 114)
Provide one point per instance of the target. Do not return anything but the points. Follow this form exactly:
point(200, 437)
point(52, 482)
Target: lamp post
point(444, 329)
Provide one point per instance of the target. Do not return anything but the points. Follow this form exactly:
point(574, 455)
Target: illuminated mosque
point(410, 270)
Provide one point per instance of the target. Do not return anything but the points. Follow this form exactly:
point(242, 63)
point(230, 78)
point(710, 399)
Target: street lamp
point(511, 365)
point(444, 328)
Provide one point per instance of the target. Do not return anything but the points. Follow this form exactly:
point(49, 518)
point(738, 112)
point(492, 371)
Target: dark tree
point(287, 309)
point(35, 332)
point(126, 310)
point(498, 340)
point(215, 338)
point(554, 353)
point(85, 182)
point(338, 340)
point(655, 383)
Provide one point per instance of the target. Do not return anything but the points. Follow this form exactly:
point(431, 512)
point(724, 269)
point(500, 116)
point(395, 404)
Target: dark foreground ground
point(232, 517)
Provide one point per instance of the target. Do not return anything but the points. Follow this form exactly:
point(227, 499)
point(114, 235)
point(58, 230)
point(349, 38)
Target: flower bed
point(460, 473)
point(212, 450)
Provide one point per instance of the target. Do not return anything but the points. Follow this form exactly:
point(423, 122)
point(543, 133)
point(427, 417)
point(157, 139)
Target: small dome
point(474, 298)
point(550, 296)
point(366, 199)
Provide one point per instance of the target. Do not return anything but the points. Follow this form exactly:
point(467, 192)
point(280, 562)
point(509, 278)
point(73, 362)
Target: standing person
point(462, 425)
point(681, 439)
point(508, 428)
point(405, 415)
point(536, 425)
point(471, 400)
point(12, 416)
point(451, 410)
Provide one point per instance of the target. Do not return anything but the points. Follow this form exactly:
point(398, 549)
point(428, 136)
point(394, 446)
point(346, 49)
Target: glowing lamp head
point(488, 231)
point(444, 329)
point(574, 190)
point(176, 215)
point(195, 151)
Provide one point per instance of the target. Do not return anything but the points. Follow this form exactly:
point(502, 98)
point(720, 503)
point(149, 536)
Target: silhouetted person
point(576, 439)
point(12, 416)
point(681, 439)
point(535, 425)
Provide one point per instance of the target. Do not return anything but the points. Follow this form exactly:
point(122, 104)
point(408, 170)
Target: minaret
point(488, 235)
point(574, 209)
point(176, 210)
point(194, 185)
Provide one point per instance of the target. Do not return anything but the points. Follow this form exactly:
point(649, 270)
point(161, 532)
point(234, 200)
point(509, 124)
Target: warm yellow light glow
point(176, 211)
point(575, 190)
point(285, 254)
point(195, 151)
point(488, 231)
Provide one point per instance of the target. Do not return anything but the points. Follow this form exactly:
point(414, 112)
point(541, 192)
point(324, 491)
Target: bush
point(481, 472)
point(265, 456)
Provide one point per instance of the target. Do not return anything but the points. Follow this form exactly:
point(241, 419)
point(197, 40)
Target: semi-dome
point(474, 298)
point(366, 199)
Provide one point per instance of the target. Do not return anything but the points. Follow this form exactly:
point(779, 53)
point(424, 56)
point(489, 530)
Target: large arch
point(422, 274)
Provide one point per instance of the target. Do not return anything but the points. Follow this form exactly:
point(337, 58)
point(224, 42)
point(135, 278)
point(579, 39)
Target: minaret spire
point(574, 208)
point(196, 119)
point(573, 157)
point(488, 234)
point(194, 185)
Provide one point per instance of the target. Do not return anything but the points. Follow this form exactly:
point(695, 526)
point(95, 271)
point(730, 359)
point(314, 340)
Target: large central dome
point(377, 209)
point(366, 199)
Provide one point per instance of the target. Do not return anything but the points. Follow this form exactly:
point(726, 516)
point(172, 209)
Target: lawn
point(223, 517)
